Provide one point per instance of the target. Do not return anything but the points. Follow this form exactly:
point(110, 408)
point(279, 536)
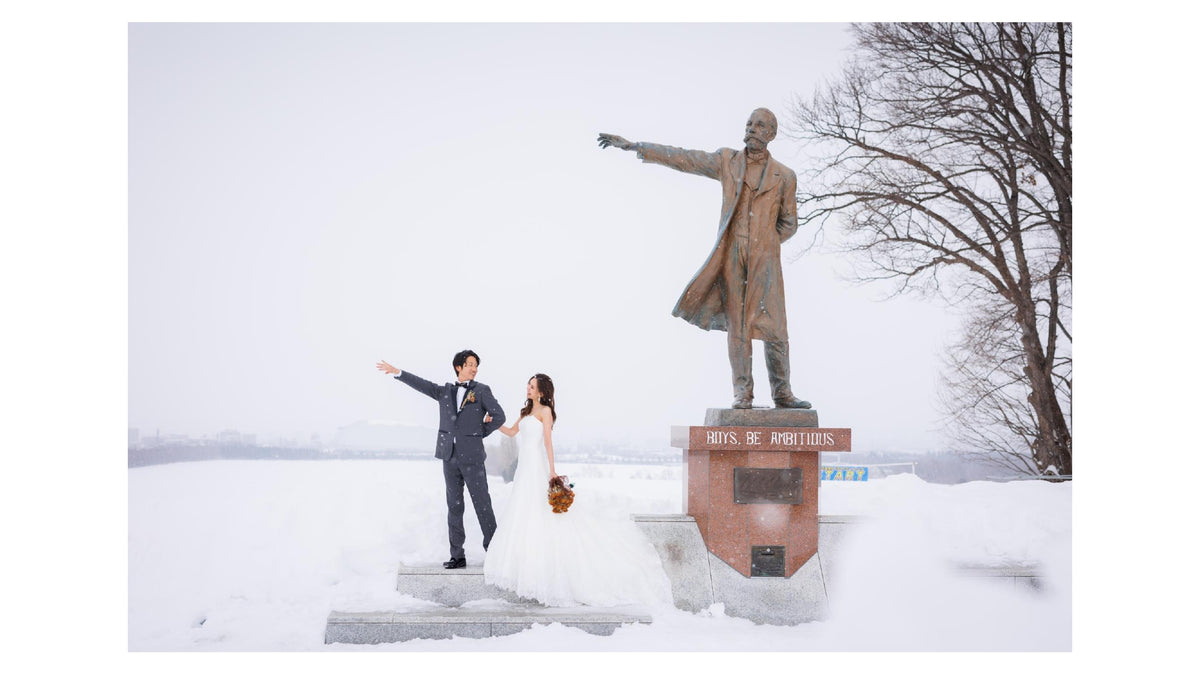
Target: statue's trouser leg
point(779, 369)
point(740, 349)
point(740, 363)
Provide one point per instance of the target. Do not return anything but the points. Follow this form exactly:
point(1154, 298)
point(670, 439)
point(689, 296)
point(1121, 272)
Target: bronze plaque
point(767, 561)
point(767, 486)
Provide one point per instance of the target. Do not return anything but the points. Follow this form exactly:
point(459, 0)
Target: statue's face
point(759, 130)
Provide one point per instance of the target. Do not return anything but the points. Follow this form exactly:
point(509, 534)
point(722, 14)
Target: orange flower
point(560, 494)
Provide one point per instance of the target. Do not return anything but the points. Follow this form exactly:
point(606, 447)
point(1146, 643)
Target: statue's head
point(760, 129)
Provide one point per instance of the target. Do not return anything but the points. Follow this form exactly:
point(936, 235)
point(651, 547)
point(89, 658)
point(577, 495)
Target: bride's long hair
point(545, 387)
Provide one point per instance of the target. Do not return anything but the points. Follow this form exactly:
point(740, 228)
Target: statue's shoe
point(791, 402)
point(743, 404)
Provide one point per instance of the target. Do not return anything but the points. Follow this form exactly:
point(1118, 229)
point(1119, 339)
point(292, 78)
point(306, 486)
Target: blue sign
point(853, 473)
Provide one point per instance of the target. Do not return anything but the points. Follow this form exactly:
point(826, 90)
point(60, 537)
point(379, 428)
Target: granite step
point(452, 587)
point(473, 622)
point(1014, 574)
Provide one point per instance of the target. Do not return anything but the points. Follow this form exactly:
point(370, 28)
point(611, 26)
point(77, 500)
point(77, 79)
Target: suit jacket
point(772, 222)
point(460, 430)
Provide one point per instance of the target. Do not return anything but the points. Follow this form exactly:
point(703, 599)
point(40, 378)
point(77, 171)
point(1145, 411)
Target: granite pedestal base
point(699, 579)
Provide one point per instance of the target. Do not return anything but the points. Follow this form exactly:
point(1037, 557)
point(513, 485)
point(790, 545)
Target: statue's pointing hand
point(615, 141)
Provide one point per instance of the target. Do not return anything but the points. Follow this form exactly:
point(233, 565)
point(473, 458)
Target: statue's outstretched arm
point(698, 162)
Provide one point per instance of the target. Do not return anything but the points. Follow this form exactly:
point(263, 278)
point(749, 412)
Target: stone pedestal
point(699, 579)
point(751, 481)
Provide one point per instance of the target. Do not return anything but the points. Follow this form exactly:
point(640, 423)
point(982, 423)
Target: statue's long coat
point(772, 222)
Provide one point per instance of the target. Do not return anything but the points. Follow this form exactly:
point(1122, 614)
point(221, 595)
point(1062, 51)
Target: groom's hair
point(461, 358)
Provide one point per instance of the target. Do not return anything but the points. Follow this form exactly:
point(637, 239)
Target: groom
point(469, 413)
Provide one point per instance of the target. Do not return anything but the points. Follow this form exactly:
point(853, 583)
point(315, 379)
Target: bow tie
point(463, 384)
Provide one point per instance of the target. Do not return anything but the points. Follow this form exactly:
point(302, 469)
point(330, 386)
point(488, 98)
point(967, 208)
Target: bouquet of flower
point(560, 494)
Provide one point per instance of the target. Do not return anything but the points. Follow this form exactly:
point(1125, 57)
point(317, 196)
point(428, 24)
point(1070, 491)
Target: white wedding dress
point(566, 559)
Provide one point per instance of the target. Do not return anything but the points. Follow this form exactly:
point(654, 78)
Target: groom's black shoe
point(455, 563)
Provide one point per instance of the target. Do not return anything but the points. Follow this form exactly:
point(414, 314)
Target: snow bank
point(253, 555)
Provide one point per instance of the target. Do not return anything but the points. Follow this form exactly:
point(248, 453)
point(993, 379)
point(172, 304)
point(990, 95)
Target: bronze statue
point(740, 287)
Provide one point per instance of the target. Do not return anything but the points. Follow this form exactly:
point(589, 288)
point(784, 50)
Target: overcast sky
point(307, 199)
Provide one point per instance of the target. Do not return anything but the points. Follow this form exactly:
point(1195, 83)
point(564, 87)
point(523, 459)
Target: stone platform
point(451, 587)
point(446, 622)
point(468, 607)
point(761, 417)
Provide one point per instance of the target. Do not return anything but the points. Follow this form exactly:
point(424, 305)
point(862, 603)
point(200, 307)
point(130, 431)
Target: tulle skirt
point(572, 558)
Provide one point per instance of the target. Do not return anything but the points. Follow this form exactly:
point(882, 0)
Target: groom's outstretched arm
point(490, 407)
point(424, 386)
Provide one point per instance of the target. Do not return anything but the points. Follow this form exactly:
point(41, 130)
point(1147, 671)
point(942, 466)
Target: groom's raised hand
point(387, 368)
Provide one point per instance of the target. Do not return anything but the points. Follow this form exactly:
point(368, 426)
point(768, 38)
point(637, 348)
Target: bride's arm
point(547, 422)
point(510, 431)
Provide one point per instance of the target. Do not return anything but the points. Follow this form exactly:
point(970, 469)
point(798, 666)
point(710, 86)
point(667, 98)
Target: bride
point(564, 559)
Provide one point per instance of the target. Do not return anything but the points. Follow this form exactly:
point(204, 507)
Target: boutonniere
point(470, 397)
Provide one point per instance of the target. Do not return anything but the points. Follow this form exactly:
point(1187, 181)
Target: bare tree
point(944, 153)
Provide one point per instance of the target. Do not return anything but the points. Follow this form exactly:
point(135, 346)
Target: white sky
point(301, 194)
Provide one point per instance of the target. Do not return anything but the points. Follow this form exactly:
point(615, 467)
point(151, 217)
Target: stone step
point(1019, 575)
point(452, 587)
point(474, 622)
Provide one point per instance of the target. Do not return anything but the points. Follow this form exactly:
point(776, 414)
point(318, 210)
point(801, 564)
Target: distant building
point(134, 438)
point(229, 437)
point(383, 435)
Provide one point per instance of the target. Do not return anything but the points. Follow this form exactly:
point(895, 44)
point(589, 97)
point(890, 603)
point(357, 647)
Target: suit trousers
point(472, 475)
point(734, 272)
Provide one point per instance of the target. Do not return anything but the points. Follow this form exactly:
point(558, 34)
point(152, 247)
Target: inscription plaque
point(767, 486)
point(767, 561)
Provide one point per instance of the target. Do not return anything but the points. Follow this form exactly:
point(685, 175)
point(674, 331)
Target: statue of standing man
point(739, 289)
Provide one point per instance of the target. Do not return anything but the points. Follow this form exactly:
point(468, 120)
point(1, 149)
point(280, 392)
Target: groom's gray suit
point(460, 447)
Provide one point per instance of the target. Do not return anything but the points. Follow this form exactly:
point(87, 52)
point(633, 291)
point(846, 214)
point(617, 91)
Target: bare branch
point(944, 157)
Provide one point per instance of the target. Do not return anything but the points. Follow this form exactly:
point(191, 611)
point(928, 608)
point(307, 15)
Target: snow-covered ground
point(253, 555)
